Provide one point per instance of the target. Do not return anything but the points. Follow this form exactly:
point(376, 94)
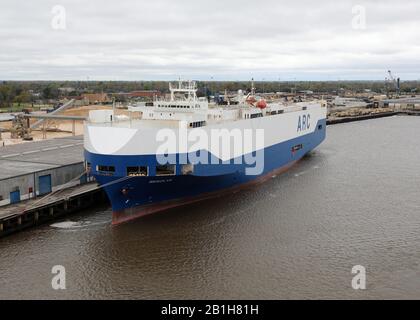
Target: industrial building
point(30, 170)
point(96, 98)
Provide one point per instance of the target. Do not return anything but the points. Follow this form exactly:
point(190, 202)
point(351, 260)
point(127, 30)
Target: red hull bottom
point(123, 216)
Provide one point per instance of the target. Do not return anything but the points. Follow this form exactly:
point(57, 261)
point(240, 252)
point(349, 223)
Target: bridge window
point(256, 115)
point(105, 170)
point(137, 171)
point(165, 170)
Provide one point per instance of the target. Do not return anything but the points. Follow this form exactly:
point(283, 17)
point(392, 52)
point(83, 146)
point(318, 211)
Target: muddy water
point(354, 201)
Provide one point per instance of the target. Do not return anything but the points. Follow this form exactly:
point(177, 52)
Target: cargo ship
point(184, 149)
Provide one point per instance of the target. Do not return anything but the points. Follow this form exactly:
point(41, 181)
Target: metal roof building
point(31, 169)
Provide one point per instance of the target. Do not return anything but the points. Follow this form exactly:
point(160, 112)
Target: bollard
point(51, 211)
point(36, 216)
point(19, 221)
point(1, 227)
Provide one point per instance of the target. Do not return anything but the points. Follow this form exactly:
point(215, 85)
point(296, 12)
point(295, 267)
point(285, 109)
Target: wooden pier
point(29, 213)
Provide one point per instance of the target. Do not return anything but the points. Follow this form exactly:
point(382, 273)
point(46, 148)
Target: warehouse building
point(34, 169)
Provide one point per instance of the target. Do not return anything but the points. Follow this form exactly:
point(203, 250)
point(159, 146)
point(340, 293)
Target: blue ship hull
point(132, 197)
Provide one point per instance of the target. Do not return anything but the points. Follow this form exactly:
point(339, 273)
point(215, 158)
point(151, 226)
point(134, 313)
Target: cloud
point(224, 40)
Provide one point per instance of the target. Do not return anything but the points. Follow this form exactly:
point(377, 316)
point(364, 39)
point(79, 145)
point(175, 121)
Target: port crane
point(394, 81)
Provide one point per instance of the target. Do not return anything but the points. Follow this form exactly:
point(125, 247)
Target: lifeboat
point(262, 104)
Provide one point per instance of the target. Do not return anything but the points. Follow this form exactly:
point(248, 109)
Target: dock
point(410, 112)
point(43, 180)
point(332, 121)
point(406, 112)
point(29, 213)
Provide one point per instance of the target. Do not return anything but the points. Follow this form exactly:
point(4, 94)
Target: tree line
point(20, 92)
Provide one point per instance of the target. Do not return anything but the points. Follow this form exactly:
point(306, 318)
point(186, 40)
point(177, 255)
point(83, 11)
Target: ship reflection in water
point(354, 201)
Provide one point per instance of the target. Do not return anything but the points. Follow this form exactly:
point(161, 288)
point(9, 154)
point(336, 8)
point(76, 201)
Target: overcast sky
point(220, 40)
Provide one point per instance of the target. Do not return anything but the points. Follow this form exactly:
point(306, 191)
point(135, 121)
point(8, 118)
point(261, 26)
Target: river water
point(353, 201)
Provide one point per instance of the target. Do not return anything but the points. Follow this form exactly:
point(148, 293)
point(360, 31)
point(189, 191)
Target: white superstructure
point(136, 134)
point(185, 106)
